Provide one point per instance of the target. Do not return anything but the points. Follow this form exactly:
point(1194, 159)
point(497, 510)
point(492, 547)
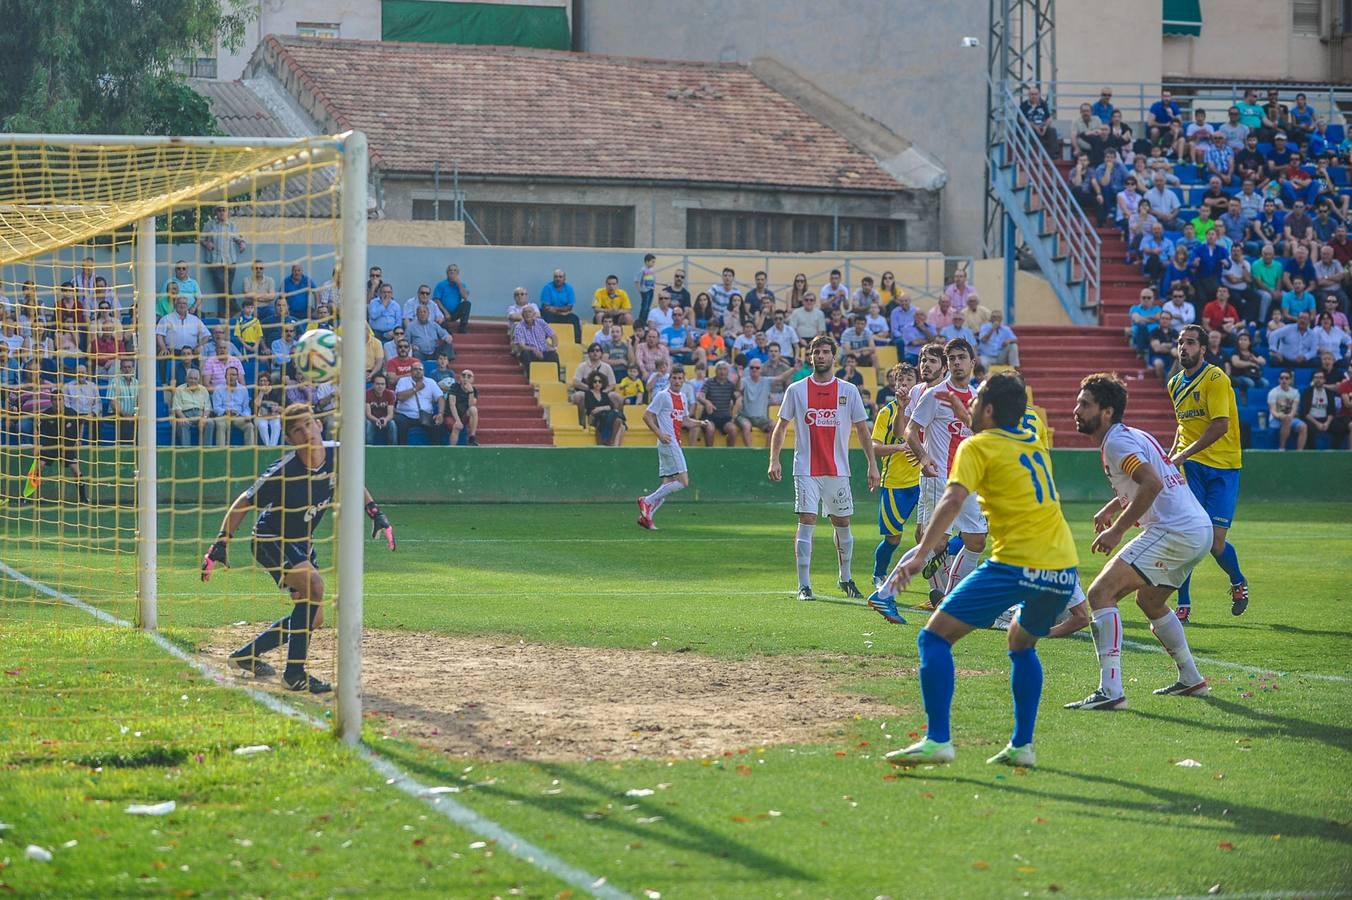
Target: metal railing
point(1134, 98)
point(1013, 142)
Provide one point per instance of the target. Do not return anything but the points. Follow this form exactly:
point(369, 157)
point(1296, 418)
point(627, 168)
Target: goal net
point(151, 293)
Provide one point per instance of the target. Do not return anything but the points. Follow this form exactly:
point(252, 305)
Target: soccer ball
point(315, 355)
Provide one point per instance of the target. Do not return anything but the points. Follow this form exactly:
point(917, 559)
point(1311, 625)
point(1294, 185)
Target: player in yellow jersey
point(900, 476)
point(1033, 564)
point(1206, 448)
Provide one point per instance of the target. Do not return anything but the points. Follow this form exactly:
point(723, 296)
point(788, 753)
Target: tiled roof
point(541, 113)
point(238, 110)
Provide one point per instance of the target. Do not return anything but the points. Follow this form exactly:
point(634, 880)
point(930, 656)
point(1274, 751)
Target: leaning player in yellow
point(1032, 564)
point(1206, 448)
point(900, 482)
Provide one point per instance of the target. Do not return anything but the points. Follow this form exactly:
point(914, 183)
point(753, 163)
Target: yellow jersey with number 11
point(1011, 470)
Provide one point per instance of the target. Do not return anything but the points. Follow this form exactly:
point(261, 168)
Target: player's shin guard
point(298, 640)
point(1107, 628)
point(844, 550)
point(882, 558)
point(1025, 683)
point(1169, 632)
point(273, 637)
point(936, 683)
point(802, 553)
point(961, 567)
point(1229, 561)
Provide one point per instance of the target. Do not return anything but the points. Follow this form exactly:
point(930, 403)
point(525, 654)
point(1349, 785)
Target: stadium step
point(508, 410)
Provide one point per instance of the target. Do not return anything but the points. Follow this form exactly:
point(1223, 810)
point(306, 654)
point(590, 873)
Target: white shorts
point(829, 494)
point(670, 459)
point(1166, 558)
point(931, 489)
point(970, 520)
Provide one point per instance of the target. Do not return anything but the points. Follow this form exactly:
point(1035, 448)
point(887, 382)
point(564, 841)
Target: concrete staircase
point(508, 411)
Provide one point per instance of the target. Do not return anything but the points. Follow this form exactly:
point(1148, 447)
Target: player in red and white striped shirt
point(822, 409)
point(667, 417)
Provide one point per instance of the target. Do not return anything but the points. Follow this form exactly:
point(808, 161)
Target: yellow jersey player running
point(1033, 563)
point(900, 477)
point(1206, 448)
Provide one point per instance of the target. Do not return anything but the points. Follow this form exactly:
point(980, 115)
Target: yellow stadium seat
point(544, 373)
point(886, 357)
point(570, 355)
point(554, 391)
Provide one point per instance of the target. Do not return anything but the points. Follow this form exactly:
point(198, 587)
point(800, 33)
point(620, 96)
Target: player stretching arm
point(1032, 565)
point(290, 496)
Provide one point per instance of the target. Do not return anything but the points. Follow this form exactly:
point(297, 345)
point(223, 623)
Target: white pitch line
point(395, 776)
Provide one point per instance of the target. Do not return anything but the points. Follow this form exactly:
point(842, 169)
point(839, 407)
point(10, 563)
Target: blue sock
point(936, 683)
point(1025, 683)
point(954, 545)
point(1185, 592)
point(1229, 561)
point(882, 558)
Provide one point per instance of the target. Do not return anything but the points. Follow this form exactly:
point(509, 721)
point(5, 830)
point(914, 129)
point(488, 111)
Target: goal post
point(109, 510)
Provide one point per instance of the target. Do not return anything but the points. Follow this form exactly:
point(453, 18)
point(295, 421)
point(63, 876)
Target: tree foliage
point(105, 66)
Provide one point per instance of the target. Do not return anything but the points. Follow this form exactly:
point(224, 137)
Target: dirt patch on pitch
point(501, 698)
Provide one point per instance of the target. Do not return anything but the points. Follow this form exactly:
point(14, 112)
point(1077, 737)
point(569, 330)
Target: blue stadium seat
point(1188, 173)
point(1264, 148)
point(1263, 439)
point(1339, 175)
point(1337, 133)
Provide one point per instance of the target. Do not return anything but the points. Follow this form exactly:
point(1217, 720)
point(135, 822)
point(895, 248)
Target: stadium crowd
point(1238, 223)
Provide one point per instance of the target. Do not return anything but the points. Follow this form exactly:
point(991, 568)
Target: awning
point(1183, 17)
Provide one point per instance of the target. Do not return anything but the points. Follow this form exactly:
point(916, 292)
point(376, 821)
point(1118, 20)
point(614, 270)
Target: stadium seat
point(1337, 133)
point(553, 392)
point(886, 357)
point(544, 372)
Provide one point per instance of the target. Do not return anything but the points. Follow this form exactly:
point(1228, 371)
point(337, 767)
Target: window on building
point(318, 29)
point(196, 67)
point(707, 229)
point(542, 224)
point(1305, 16)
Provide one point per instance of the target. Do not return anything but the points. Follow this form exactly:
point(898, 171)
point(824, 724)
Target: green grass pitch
point(1108, 813)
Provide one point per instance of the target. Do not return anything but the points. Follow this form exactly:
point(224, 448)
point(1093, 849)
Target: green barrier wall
point(211, 477)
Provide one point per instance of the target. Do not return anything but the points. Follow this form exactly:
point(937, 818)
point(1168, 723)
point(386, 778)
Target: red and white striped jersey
point(669, 409)
point(943, 430)
point(822, 416)
point(1126, 449)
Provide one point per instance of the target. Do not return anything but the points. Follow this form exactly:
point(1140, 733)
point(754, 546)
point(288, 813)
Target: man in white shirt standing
point(822, 409)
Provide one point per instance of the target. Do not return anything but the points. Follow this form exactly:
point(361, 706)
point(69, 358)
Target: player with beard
point(822, 409)
point(1206, 448)
point(933, 369)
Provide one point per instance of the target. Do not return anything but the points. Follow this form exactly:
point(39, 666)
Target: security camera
point(971, 42)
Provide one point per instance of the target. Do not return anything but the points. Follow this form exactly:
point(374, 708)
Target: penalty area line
point(394, 776)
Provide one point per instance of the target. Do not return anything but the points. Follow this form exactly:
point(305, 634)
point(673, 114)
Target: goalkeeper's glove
point(380, 524)
point(214, 556)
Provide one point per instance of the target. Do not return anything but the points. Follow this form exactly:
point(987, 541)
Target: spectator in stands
point(1120, 135)
point(1298, 235)
point(721, 292)
point(1246, 366)
point(268, 404)
point(679, 291)
point(956, 292)
point(261, 288)
point(220, 360)
point(752, 403)
point(191, 406)
point(807, 321)
point(1089, 133)
point(899, 313)
point(781, 334)
point(1299, 265)
point(1083, 184)
point(604, 417)
point(849, 371)
point(106, 346)
point(1164, 203)
point(612, 300)
point(1110, 177)
point(645, 282)
point(330, 293)
point(1178, 274)
point(452, 293)
point(797, 291)
point(1234, 131)
point(834, 293)
point(1207, 263)
point(760, 300)
point(701, 312)
point(1325, 225)
point(533, 341)
point(419, 402)
point(1339, 317)
point(648, 353)
point(735, 313)
point(463, 397)
point(1321, 142)
point(187, 286)
point(1295, 344)
point(679, 339)
point(1179, 309)
point(836, 323)
point(427, 338)
point(1163, 346)
point(281, 349)
point(384, 313)
point(374, 279)
point(996, 343)
point(859, 341)
point(718, 400)
point(1330, 277)
point(1283, 408)
point(864, 296)
point(520, 300)
point(1251, 164)
point(246, 331)
point(1334, 369)
point(1218, 158)
point(380, 428)
point(1039, 116)
point(619, 352)
point(745, 344)
point(123, 397)
point(298, 289)
point(423, 297)
point(913, 336)
point(1138, 224)
point(1332, 339)
point(1250, 113)
point(1103, 107)
point(712, 346)
point(958, 329)
point(277, 318)
point(221, 247)
point(593, 364)
point(1318, 409)
point(1215, 352)
point(1155, 249)
point(178, 330)
point(1297, 301)
point(233, 410)
point(1268, 273)
point(660, 316)
point(557, 302)
point(877, 325)
point(1145, 317)
point(1222, 315)
point(1161, 113)
point(778, 368)
point(940, 315)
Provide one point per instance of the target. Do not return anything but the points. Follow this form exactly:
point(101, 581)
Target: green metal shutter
point(1183, 17)
point(475, 23)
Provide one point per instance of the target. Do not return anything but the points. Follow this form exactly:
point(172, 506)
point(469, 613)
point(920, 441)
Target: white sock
point(1169, 632)
point(961, 567)
point(844, 550)
point(1107, 628)
point(802, 552)
point(659, 496)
